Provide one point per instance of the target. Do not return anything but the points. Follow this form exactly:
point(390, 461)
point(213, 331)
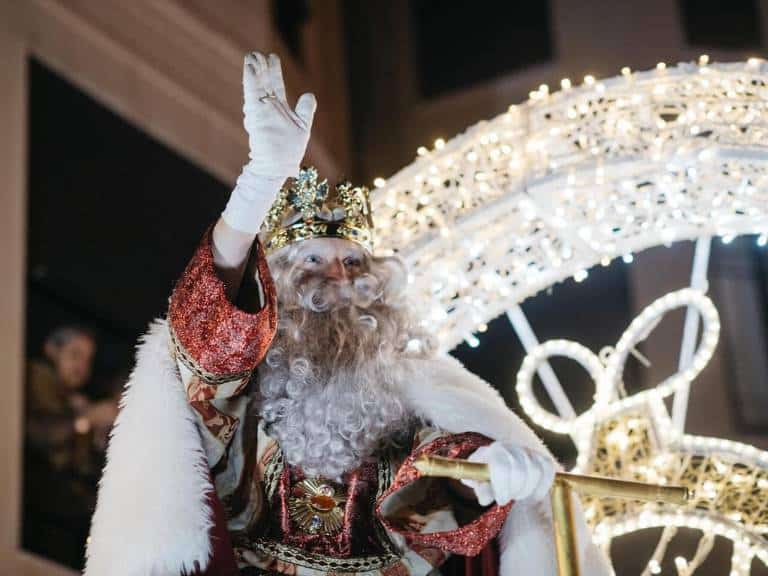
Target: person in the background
point(62, 456)
point(57, 410)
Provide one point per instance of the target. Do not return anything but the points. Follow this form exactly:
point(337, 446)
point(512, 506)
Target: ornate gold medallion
point(315, 507)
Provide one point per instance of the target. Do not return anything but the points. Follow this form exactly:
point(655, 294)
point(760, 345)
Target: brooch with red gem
point(316, 507)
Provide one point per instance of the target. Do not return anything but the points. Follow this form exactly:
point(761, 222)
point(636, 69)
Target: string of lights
point(576, 178)
point(633, 437)
point(581, 177)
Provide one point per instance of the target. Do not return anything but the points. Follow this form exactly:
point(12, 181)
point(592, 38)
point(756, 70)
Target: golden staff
point(562, 496)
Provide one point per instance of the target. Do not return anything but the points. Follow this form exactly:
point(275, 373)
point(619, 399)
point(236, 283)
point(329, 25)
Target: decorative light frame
point(574, 178)
point(715, 511)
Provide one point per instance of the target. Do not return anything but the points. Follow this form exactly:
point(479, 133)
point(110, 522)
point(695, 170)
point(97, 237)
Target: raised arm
point(278, 137)
point(222, 323)
point(217, 340)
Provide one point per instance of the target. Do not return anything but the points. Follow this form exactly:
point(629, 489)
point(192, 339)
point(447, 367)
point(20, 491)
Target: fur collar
point(152, 517)
point(441, 391)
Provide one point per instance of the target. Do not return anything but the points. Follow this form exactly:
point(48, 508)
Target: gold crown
point(306, 208)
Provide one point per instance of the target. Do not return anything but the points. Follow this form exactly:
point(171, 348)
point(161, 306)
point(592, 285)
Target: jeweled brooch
point(316, 507)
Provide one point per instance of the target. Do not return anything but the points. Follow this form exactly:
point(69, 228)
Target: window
point(458, 44)
point(725, 24)
point(113, 218)
point(289, 17)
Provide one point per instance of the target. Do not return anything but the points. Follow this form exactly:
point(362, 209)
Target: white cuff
point(251, 200)
point(516, 473)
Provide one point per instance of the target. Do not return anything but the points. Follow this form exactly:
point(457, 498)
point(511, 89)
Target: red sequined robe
point(376, 521)
point(193, 484)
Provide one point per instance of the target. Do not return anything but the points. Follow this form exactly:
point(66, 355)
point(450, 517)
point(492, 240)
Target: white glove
point(277, 137)
point(516, 474)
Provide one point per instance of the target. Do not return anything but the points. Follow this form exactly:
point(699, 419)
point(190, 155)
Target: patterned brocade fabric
point(284, 539)
point(379, 520)
point(217, 345)
point(215, 339)
point(313, 526)
point(400, 508)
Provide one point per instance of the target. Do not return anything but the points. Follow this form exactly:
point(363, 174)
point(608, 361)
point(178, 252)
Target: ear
point(280, 260)
point(393, 271)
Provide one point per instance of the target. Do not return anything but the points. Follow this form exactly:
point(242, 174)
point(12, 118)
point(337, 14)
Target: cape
point(153, 516)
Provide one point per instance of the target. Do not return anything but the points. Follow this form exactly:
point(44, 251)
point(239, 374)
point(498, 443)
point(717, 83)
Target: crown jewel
point(307, 208)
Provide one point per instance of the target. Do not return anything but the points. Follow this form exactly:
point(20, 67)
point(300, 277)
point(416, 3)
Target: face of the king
point(328, 386)
point(332, 262)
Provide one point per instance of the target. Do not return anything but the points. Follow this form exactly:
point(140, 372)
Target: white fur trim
point(443, 392)
point(527, 543)
point(450, 397)
point(151, 515)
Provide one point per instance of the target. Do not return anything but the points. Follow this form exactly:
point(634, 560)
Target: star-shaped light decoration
point(633, 438)
point(573, 178)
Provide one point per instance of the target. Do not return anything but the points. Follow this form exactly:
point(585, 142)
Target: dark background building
point(124, 139)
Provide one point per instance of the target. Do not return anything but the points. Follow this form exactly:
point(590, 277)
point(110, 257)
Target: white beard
point(328, 422)
point(328, 386)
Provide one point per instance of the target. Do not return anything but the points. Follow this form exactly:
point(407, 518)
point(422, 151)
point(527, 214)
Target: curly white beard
point(327, 387)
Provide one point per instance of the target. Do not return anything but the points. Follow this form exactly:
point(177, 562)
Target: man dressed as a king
point(272, 420)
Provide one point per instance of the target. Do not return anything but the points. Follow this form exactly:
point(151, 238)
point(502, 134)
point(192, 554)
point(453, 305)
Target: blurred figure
point(64, 444)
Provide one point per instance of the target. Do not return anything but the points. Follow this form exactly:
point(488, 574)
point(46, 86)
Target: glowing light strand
point(634, 437)
point(574, 178)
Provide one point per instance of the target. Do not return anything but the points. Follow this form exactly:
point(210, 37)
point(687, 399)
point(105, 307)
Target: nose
point(337, 271)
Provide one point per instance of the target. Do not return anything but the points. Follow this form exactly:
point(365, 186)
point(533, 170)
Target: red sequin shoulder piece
point(467, 540)
point(209, 330)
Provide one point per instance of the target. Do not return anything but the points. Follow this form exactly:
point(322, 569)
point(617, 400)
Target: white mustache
point(322, 295)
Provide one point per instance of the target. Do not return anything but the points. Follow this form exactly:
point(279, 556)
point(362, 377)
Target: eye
point(352, 262)
point(313, 259)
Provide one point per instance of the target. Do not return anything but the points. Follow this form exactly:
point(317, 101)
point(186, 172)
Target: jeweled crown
point(307, 208)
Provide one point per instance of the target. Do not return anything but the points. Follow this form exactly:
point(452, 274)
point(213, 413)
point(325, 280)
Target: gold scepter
point(562, 496)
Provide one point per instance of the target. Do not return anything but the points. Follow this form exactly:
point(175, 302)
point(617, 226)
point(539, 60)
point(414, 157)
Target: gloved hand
point(277, 136)
point(517, 473)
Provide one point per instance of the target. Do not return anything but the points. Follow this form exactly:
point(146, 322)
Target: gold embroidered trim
point(272, 472)
point(322, 562)
point(385, 475)
point(178, 352)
